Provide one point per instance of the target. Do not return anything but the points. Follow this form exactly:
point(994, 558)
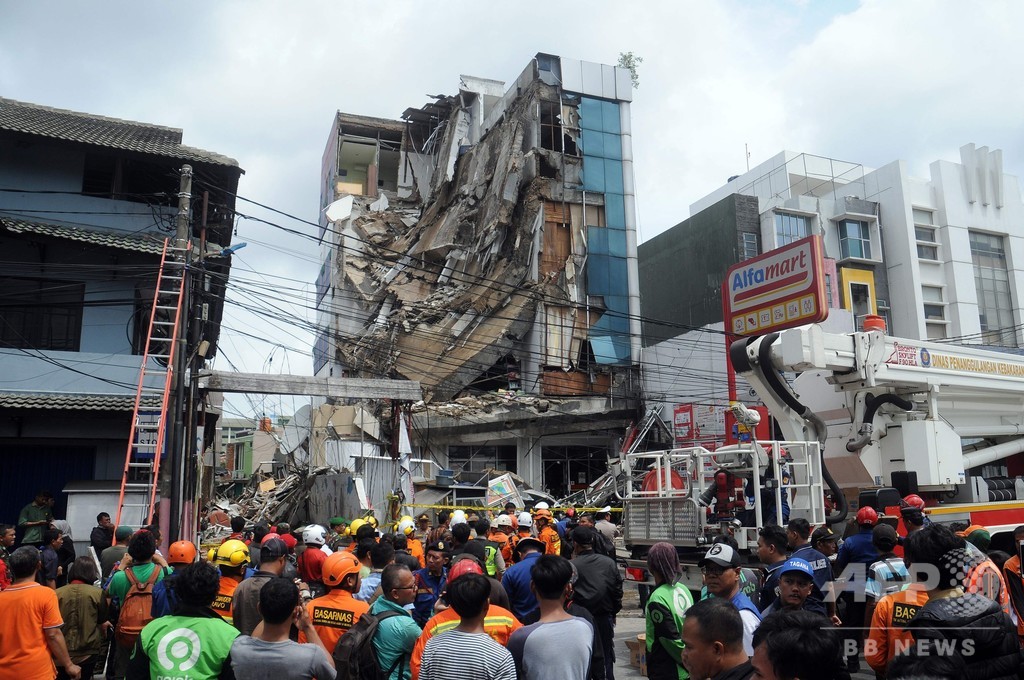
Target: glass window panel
point(591, 117)
point(789, 228)
point(617, 242)
point(935, 312)
point(927, 252)
point(617, 276)
point(613, 176)
point(593, 174)
point(925, 234)
point(597, 240)
point(593, 143)
point(612, 145)
point(614, 210)
point(597, 274)
point(610, 111)
point(931, 293)
point(936, 331)
point(922, 216)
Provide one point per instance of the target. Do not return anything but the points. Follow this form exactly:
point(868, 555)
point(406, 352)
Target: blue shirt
point(857, 549)
point(368, 586)
point(428, 589)
point(517, 584)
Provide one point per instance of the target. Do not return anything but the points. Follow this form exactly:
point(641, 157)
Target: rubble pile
point(483, 403)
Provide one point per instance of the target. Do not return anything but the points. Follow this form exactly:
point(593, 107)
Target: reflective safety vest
point(490, 550)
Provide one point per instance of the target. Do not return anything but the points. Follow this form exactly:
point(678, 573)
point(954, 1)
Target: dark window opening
point(41, 314)
point(503, 375)
point(546, 168)
point(553, 135)
point(480, 458)
point(130, 180)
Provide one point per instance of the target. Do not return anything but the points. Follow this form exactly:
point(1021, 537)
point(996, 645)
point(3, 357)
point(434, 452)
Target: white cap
point(525, 520)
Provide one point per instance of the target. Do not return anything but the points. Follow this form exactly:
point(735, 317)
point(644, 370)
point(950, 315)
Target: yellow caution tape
point(498, 507)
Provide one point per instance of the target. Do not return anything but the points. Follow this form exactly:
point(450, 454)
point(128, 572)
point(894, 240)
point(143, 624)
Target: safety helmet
point(912, 501)
point(272, 534)
point(181, 552)
point(406, 526)
point(541, 506)
point(525, 520)
point(352, 528)
point(867, 515)
point(542, 513)
point(338, 566)
point(233, 553)
point(463, 567)
point(503, 521)
point(372, 520)
point(314, 534)
point(458, 517)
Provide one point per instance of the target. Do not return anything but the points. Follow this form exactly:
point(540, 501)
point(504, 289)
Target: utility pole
point(177, 438)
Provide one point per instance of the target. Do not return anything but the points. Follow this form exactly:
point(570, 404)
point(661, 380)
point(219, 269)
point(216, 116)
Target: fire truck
point(943, 421)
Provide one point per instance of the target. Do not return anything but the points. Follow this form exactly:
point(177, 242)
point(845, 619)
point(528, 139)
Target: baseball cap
point(884, 537)
point(721, 554)
point(123, 532)
point(795, 564)
point(822, 534)
point(272, 549)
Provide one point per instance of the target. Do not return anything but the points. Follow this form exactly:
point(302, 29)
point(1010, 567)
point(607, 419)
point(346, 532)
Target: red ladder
point(149, 423)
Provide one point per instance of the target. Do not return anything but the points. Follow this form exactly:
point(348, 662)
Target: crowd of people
point(521, 595)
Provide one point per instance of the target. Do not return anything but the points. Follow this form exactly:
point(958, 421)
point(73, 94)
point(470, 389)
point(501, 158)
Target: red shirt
point(311, 564)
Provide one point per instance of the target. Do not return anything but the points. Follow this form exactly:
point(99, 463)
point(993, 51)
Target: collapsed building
point(485, 246)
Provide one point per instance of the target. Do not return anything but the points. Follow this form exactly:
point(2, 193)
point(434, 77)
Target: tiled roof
point(45, 121)
point(78, 402)
point(140, 243)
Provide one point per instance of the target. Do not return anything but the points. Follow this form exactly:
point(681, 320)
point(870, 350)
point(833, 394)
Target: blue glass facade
point(601, 145)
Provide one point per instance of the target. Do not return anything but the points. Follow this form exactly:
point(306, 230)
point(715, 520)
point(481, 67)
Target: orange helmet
point(463, 567)
point(338, 566)
point(542, 513)
point(912, 501)
point(182, 552)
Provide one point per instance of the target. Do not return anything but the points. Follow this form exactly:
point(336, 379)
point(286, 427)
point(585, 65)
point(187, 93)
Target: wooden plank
point(341, 388)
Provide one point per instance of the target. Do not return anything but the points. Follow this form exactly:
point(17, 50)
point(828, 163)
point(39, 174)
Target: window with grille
point(995, 306)
point(41, 314)
point(790, 227)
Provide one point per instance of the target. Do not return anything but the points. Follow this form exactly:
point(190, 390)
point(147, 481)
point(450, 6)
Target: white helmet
point(525, 520)
point(503, 521)
point(314, 534)
point(406, 526)
point(542, 506)
point(458, 517)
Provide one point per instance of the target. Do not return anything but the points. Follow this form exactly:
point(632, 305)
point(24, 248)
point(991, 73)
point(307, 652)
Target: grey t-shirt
point(553, 651)
point(254, 659)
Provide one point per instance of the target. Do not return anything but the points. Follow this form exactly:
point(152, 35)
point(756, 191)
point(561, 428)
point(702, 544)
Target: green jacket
point(193, 647)
point(34, 513)
point(84, 609)
point(395, 636)
point(666, 611)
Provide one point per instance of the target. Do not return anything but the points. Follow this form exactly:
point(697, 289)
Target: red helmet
point(463, 567)
point(867, 515)
point(912, 501)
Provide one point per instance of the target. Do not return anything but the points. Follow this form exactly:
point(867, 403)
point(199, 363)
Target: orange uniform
point(416, 550)
point(503, 545)
point(1015, 586)
point(888, 635)
point(28, 609)
point(333, 614)
point(985, 579)
point(499, 623)
point(552, 543)
point(223, 603)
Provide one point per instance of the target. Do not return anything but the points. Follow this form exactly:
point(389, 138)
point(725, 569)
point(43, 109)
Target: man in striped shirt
point(467, 652)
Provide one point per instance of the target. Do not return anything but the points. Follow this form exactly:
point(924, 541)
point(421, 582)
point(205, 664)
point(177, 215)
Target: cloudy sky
point(869, 82)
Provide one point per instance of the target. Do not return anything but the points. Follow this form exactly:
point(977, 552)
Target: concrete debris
point(451, 292)
point(484, 403)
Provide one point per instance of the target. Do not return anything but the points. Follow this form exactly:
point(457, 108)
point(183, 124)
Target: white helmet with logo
point(503, 521)
point(314, 534)
point(525, 520)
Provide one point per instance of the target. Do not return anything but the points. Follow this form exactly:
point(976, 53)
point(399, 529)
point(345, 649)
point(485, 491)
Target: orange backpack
point(136, 609)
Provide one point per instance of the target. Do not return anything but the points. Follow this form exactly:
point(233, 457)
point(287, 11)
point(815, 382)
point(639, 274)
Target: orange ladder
point(149, 421)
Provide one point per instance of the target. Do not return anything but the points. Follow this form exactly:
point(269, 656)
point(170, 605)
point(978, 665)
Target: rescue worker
point(494, 563)
point(859, 550)
point(336, 612)
point(524, 530)
point(339, 534)
point(887, 631)
point(180, 554)
point(547, 535)
point(311, 561)
point(430, 582)
point(232, 558)
point(352, 531)
point(500, 534)
point(1015, 580)
point(407, 527)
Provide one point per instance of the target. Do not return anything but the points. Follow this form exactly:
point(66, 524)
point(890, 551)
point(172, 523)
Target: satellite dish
point(301, 419)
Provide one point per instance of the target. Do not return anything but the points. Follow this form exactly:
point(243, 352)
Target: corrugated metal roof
point(140, 243)
point(77, 402)
point(73, 126)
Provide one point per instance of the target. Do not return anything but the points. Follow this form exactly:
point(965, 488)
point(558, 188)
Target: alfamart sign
point(780, 289)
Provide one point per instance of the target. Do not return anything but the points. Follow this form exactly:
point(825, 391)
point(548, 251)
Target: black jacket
point(974, 627)
point(598, 586)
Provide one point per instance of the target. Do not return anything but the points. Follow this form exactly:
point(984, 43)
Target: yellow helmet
point(233, 553)
point(372, 521)
point(354, 527)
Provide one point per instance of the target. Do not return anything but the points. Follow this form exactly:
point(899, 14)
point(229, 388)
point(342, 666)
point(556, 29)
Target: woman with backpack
point(84, 610)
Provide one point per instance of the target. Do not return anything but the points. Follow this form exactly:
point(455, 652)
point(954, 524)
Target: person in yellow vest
point(232, 558)
point(547, 534)
point(407, 527)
